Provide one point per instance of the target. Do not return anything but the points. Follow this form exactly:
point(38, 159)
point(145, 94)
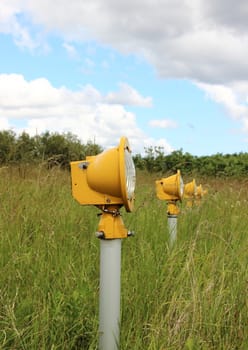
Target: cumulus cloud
point(4, 123)
point(233, 98)
point(86, 112)
point(226, 14)
point(184, 39)
point(163, 123)
point(17, 94)
point(193, 39)
point(12, 22)
point(71, 50)
point(127, 95)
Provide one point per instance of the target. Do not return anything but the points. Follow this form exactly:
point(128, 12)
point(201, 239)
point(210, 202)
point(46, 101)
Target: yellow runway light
point(170, 188)
point(105, 179)
point(200, 192)
point(190, 190)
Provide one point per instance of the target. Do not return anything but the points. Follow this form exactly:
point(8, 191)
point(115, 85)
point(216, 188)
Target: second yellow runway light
point(190, 190)
point(171, 190)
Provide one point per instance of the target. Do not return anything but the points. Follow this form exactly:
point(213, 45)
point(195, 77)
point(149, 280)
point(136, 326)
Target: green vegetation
point(49, 148)
point(218, 165)
point(59, 149)
point(193, 296)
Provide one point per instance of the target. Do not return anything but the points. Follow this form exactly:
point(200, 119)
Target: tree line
point(54, 149)
point(217, 165)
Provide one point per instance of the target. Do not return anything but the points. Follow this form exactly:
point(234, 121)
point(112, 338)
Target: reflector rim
point(128, 202)
point(179, 182)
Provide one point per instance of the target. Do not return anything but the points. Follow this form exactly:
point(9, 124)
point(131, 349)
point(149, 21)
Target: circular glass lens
point(130, 175)
point(181, 187)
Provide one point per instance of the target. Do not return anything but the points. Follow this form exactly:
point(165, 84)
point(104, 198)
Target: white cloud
point(11, 24)
point(128, 96)
point(85, 113)
point(185, 39)
point(226, 14)
point(163, 123)
point(233, 98)
point(17, 94)
point(71, 50)
point(4, 124)
point(8, 11)
point(193, 39)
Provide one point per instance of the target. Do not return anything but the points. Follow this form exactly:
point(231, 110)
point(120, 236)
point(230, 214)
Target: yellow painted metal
point(190, 189)
point(103, 179)
point(172, 208)
point(200, 192)
point(190, 193)
point(112, 226)
point(170, 188)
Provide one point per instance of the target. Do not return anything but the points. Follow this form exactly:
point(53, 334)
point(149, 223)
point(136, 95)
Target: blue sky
point(101, 69)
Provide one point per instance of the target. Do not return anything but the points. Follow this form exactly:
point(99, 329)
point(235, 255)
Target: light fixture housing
point(106, 179)
point(190, 189)
point(170, 188)
point(200, 192)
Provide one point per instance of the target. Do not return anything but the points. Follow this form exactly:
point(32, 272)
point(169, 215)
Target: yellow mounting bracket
point(111, 225)
point(172, 208)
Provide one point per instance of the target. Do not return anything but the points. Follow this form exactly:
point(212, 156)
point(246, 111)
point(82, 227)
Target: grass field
point(191, 296)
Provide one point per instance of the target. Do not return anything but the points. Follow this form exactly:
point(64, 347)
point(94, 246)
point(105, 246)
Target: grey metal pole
point(172, 225)
point(110, 285)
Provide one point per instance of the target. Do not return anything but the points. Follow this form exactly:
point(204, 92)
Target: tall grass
point(190, 296)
